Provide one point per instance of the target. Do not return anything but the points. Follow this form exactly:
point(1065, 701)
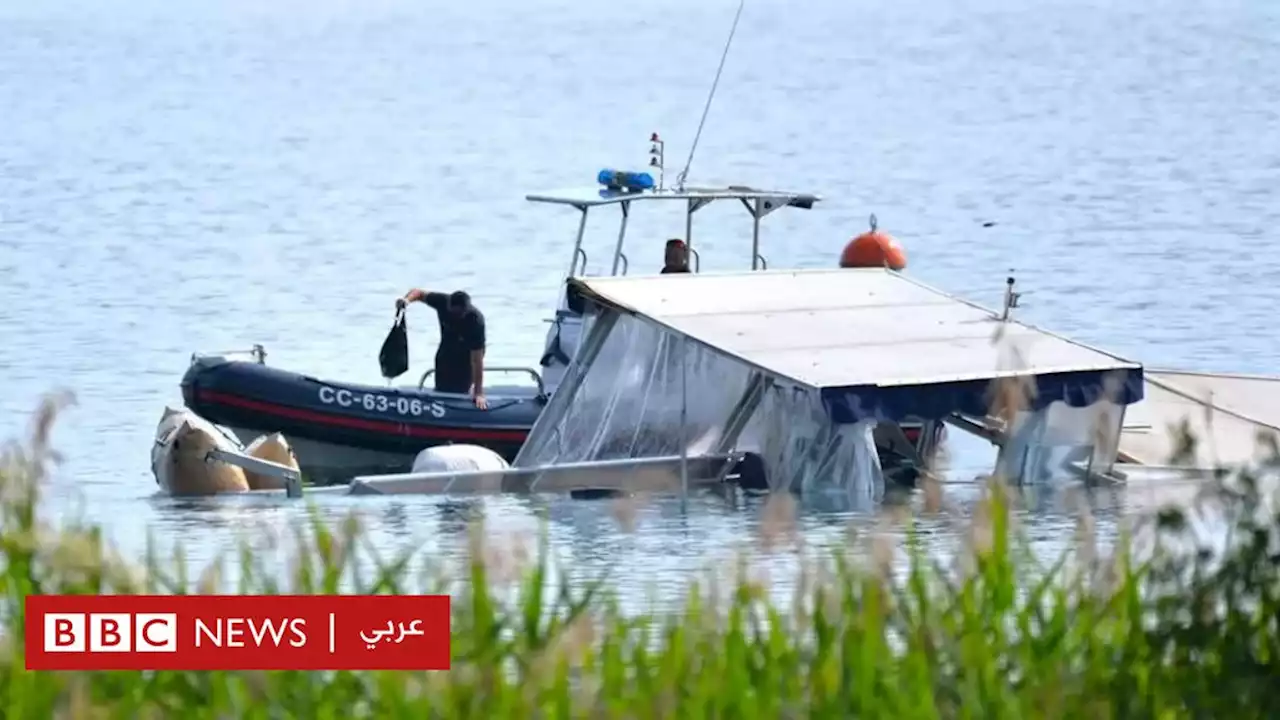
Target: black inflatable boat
point(339, 430)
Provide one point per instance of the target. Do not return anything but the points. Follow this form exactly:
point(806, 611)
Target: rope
point(710, 96)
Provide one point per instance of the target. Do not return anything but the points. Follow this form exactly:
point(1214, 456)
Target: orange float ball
point(873, 249)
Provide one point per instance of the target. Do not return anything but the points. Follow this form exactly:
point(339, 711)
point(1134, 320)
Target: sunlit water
point(202, 176)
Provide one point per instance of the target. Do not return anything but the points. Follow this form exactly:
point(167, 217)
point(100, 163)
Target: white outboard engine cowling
point(458, 458)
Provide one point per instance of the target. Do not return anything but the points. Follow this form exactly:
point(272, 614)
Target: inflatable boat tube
point(401, 420)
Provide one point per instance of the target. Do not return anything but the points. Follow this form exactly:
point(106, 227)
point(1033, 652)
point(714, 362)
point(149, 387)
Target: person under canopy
point(677, 257)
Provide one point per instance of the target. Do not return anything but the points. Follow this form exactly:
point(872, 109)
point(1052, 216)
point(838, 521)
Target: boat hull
point(339, 430)
point(179, 457)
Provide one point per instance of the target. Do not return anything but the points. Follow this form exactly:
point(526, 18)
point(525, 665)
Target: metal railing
point(537, 379)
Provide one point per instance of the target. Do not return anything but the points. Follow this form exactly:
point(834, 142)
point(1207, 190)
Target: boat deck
point(1224, 411)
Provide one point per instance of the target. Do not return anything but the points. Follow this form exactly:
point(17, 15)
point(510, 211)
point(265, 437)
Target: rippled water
point(202, 176)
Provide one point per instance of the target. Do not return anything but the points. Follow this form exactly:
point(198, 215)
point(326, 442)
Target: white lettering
point(258, 631)
point(233, 630)
point(398, 404)
point(298, 627)
point(214, 636)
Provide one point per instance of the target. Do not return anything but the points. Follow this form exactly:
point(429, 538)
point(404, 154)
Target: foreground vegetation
point(996, 636)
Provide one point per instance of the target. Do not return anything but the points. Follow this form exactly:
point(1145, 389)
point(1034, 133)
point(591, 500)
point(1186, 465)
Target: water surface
point(203, 176)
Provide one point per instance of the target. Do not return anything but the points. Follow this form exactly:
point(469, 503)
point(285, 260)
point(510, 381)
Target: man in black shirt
point(677, 257)
point(460, 357)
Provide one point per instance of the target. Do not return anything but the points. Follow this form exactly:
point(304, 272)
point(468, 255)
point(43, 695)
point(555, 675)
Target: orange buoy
point(873, 249)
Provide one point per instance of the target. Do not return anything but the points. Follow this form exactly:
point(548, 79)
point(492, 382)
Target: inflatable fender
point(272, 448)
point(183, 439)
point(458, 458)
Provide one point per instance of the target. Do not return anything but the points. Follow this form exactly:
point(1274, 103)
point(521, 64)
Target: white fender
point(458, 458)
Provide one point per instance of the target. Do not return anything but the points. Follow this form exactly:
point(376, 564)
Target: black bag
point(394, 356)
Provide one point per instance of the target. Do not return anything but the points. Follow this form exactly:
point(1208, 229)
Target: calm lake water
point(206, 175)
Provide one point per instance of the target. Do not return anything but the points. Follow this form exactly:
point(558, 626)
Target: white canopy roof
point(845, 327)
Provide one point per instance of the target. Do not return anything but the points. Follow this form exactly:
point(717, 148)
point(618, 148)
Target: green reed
point(995, 636)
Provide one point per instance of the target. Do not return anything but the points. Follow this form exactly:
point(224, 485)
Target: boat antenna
point(710, 96)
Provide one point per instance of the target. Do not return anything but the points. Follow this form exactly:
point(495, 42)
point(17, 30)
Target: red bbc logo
point(237, 632)
point(111, 632)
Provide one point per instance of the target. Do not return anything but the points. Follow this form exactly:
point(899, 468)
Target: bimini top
point(585, 197)
point(875, 343)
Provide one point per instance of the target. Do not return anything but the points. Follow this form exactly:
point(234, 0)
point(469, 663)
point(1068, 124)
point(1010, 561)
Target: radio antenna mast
point(710, 96)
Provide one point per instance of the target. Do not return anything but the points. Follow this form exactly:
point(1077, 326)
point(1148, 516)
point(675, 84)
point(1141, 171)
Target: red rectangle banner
point(237, 632)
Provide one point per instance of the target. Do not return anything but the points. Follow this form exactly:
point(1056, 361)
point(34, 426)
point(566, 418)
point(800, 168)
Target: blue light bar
point(628, 181)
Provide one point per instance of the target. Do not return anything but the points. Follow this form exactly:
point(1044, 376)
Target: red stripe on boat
point(322, 418)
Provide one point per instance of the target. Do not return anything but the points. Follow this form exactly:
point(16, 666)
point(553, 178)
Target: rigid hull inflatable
point(339, 430)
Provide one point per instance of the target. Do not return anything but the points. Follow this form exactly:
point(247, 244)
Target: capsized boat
point(193, 457)
point(180, 457)
point(342, 429)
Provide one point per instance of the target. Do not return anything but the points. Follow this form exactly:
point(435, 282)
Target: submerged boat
point(340, 429)
point(193, 457)
point(179, 457)
point(798, 375)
